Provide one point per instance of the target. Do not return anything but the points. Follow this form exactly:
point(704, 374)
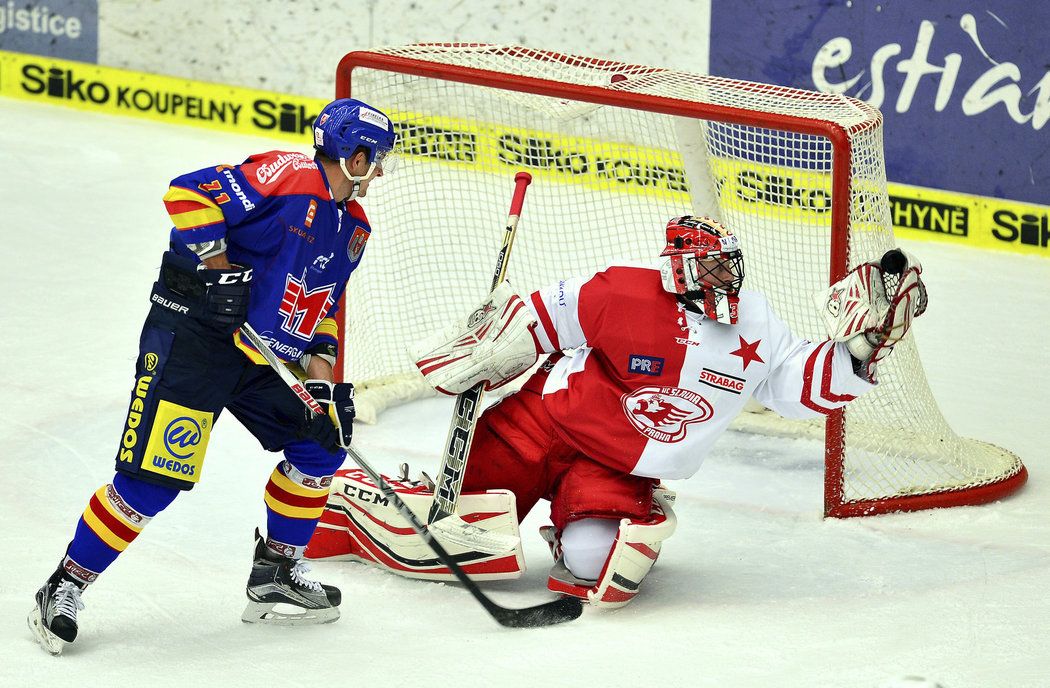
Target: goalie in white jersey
point(648, 367)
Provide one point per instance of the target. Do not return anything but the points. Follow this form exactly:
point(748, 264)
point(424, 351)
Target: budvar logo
point(268, 173)
point(181, 436)
point(663, 413)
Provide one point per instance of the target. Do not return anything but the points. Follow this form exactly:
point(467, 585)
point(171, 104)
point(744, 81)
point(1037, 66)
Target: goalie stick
point(443, 518)
point(546, 614)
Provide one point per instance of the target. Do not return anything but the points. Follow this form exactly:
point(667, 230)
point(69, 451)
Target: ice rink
point(755, 589)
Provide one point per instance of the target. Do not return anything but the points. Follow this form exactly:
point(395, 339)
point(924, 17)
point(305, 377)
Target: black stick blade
point(547, 614)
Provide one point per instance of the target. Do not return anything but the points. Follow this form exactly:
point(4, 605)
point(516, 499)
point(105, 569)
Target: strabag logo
point(723, 381)
point(664, 413)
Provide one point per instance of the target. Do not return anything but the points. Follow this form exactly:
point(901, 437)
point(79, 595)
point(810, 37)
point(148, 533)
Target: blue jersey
point(277, 215)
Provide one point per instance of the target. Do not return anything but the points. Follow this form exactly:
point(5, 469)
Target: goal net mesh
point(607, 177)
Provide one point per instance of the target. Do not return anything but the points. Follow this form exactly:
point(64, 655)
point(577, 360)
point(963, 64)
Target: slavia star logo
point(748, 352)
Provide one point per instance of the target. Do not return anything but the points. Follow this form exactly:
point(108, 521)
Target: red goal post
point(616, 149)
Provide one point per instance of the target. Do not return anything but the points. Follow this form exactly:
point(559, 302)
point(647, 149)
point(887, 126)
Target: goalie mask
point(704, 266)
point(344, 126)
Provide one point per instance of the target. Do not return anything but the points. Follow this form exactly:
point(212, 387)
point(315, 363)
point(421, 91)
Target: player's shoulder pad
point(284, 173)
point(357, 212)
point(756, 310)
point(754, 299)
point(628, 279)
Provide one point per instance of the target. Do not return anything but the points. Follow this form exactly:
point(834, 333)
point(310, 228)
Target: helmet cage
point(724, 271)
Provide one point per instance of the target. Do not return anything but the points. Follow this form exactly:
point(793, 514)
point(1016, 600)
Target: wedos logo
point(181, 437)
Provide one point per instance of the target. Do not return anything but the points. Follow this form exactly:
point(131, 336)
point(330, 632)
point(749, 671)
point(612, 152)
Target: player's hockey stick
point(546, 614)
point(443, 519)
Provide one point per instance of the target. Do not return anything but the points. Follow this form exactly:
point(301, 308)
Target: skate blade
point(48, 640)
point(274, 614)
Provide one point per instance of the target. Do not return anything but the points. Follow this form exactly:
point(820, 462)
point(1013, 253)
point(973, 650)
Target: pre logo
point(645, 365)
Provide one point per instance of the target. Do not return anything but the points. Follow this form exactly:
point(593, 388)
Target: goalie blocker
point(359, 524)
point(494, 345)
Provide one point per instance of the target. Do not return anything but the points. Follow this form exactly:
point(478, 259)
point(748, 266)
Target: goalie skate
point(53, 620)
point(278, 593)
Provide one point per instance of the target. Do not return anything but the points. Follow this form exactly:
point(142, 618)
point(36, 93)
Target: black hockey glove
point(226, 295)
point(219, 297)
point(336, 428)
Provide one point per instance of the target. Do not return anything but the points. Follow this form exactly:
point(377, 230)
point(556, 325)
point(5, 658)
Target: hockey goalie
point(646, 367)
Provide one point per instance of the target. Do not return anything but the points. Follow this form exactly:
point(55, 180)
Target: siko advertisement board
point(58, 28)
point(964, 88)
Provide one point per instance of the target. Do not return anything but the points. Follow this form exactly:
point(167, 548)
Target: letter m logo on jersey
point(304, 308)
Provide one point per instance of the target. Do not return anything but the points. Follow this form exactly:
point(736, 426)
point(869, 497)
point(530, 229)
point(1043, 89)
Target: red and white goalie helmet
point(704, 266)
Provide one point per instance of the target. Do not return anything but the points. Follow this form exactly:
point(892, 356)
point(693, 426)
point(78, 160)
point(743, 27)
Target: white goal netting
point(615, 150)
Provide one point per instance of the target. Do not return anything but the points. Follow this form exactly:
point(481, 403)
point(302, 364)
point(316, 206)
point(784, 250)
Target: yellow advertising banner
point(978, 221)
point(917, 213)
point(114, 91)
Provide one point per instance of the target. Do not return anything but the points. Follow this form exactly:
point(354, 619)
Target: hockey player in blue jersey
point(271, 241)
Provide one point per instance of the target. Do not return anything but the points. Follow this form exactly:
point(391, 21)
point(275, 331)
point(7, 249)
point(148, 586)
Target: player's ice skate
point(53, 620)
point(278, 592)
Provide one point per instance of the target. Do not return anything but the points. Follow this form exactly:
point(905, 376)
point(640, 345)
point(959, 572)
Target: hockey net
point(615, 151)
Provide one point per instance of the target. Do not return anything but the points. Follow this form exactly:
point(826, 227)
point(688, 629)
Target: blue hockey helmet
point(345, 125)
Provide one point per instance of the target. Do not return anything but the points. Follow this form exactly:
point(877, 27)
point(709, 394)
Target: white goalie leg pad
point(635, 550)
point(360, 524)
point(494, 344)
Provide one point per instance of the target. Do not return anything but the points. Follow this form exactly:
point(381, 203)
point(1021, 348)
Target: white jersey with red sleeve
point(648, 386)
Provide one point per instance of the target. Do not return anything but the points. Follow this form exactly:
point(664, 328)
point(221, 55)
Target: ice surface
point(755, 589)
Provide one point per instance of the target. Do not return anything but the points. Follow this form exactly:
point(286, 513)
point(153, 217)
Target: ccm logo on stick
point(645, 365)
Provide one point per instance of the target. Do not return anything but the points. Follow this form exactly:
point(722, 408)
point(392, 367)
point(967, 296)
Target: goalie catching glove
point(494, 345)
point(872, 307)
point(336, 428)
